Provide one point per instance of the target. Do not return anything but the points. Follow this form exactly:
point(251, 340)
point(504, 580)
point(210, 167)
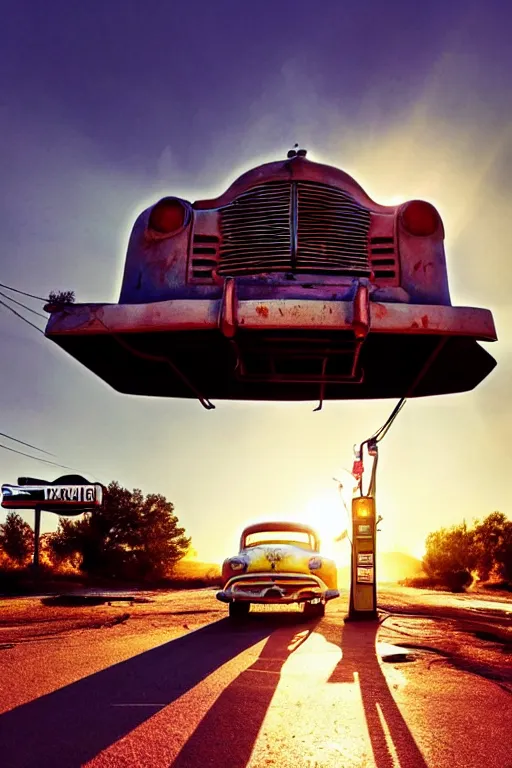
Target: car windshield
point(299, 538)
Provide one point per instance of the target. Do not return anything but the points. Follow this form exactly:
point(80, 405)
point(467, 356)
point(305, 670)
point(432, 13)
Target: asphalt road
point(170, 682)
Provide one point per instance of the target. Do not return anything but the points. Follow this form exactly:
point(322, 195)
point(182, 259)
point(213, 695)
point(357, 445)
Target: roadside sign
point(61, 499)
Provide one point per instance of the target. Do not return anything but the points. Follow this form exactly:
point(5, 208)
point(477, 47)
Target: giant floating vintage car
point(278, 563)
point(291, 285)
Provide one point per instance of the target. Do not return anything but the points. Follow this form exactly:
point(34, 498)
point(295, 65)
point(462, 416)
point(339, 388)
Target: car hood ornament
point(296, 152)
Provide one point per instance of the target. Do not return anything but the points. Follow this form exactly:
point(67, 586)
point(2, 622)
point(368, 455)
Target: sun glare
point(327, 514)
point(418, 551)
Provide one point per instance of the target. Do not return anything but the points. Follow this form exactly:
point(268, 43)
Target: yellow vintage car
point(278, 563)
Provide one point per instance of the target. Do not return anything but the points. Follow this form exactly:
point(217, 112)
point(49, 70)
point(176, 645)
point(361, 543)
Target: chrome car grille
point(258, 585)
point(299, 226)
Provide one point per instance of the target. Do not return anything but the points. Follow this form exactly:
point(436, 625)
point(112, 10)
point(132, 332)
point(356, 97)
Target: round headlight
point(237, 564)
point(420, 218)
point(315, 563)
point(168, 216)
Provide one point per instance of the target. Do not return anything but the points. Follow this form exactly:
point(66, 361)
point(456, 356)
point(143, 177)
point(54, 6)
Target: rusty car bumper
point(281, 349)
point(282, 588)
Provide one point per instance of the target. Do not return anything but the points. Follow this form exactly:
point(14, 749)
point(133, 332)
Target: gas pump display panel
point(364, 575)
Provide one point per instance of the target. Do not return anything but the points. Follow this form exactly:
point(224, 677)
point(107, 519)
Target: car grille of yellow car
point(288, 585)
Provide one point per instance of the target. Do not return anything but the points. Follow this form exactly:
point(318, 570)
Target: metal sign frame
point(51, 496)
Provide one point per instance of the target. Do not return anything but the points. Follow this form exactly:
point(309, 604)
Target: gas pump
point(363, 588)
point(363, 583)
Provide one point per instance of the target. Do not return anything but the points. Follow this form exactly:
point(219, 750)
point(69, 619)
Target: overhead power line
point(25, 320)
point(23, 293)
point(47, 461)
point(25, 306)
point(15, 439)
point(11, 309)
point(36, 458)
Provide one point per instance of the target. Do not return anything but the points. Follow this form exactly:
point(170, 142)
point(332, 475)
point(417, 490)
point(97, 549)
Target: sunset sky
point(105, 106)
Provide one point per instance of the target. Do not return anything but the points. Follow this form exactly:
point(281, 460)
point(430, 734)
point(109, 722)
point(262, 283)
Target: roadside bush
point(451, 556)
point(423, 582)
point(131, 537)
point(16, 539)
point(454, 555)
point(457, 581)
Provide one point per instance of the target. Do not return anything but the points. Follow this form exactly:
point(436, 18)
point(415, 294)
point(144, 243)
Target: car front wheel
point(239, 610)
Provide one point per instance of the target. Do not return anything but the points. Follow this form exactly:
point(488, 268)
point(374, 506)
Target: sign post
point(37, 531)
point(363, 586)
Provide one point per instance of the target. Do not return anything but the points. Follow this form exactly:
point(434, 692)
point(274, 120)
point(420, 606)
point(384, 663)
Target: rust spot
point(417, 265)
point(424, 321)
point(426, 266)
point(280, 312)
point(242, 321)
point(262, 310)
point(330, 310)
point(379, 310)
point(415, 325)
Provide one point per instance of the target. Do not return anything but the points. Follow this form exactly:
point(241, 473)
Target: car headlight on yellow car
point(315, 563)
point(237, 563)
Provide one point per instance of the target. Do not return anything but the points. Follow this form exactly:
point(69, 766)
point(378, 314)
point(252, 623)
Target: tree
point(64, 545)
point(493, 538)
point(130, 536)
point(451, 556)
point(61, 297)
point(454, 554)
point(162, 543)
point(504, 555)
point(489, 538)
point(16, 538)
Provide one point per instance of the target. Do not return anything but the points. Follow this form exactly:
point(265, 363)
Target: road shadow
point(68, 727)
point(227, 734)
point(361, 663)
